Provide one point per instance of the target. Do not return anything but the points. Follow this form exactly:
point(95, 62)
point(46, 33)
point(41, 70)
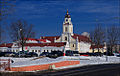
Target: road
point(91, 70)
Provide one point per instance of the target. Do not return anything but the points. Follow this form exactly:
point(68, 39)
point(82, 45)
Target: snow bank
point(19, 62)
point(40, 61)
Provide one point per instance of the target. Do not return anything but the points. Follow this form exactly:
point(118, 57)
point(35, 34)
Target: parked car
point(118, 55)
point(75, 53)
point(31, 54)
point(68, 53)
point(44, 54)
point(91, 54)
point(71, 53)
point(7, 54)
point(2, 54)
point(21, 54)
point(55, 54)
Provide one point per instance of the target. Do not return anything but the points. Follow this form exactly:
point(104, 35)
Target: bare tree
point(113, 37)
point(92, 39)
point(20, 31)
point(98, 37)
point(0, 34)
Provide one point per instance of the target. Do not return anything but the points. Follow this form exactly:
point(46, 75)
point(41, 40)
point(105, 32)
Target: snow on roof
point(51, 38)
point(46, 44)
point(32, 39)
point(81, 38)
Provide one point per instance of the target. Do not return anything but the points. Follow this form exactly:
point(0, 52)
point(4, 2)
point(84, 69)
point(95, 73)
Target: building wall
point(84, 47)
point(36, 49)
point(72, 46)
point(102, 50)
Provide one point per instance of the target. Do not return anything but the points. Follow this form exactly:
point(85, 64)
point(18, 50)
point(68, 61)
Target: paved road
point(96, 70)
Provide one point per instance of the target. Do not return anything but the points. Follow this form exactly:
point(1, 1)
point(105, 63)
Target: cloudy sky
point(47, 16)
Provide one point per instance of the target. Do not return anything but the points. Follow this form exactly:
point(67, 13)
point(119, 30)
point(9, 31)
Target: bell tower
point(67, 28)
point(67, 24)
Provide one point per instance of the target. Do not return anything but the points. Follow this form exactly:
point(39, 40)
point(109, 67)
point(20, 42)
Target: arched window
point(73, 45)
point(65, 38)
point(66, 19)
point(65, 29)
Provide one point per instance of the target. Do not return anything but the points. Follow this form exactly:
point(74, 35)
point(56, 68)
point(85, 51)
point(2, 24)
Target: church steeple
point(67, 11)
point(67, 24)
point(67, 15)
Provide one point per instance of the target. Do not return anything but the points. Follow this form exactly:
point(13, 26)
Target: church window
point(66, 38)
point(66, 19)
point(16, 50)
point(65, 29)
point(73, 45)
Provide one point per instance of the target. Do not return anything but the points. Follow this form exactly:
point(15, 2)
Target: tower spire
point(67, 11)
point(67, 15)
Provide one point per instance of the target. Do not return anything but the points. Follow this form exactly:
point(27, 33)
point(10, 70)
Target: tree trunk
point(93, 50)
point(22, 47)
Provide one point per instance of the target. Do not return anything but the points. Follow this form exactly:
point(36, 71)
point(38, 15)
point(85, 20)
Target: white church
point(67, 41)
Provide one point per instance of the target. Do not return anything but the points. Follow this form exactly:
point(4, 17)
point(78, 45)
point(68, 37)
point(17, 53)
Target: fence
point(4, 64)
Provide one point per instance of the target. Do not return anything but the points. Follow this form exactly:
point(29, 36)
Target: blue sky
point(47, 16)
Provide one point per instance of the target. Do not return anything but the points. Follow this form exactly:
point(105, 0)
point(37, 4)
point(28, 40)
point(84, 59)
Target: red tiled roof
point(6, 45)
point(81, 38)
point(95, 46)
point(46, 44)
point(32, 39)
point(50, 38)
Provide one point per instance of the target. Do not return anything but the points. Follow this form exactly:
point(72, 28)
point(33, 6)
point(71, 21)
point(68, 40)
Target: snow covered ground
point(19, 62)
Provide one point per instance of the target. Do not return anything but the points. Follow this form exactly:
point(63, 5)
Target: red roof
point(81, 38)
point(95, 46)
point(6, 45)
point(50, 38)
point(46, 44)
point(41, 40)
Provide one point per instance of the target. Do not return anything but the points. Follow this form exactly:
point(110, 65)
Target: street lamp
point(18, 38)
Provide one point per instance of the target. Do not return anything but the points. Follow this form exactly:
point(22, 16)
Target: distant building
point(67, 41)
point(94, 48)
point(115, 48)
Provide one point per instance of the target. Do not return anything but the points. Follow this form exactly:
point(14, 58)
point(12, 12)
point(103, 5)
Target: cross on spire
point(67, 15)
point(67, 11)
